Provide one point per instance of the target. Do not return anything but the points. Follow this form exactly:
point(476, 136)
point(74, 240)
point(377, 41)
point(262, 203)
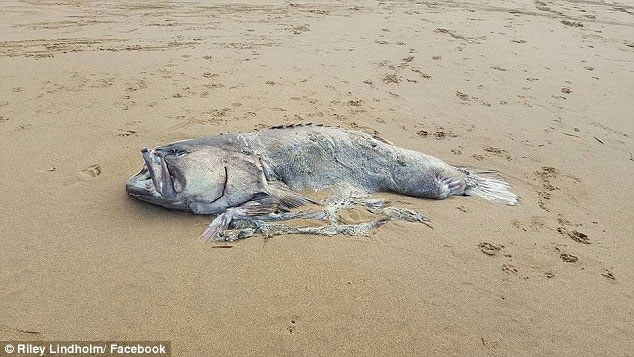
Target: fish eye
point(177, 152)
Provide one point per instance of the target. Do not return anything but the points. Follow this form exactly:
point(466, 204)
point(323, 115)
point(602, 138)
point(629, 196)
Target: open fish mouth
point(159, 173)
point(141, 184)
point(154, 179)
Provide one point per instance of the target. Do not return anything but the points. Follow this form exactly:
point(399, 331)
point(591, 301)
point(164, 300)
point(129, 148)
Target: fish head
point(177, 175)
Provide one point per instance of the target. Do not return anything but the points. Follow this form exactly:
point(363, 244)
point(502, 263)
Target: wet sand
point(540, 91)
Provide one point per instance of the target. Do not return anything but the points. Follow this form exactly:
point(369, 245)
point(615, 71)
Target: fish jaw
point(142, 186)
point(159, 172)
point(151, 167)
point(154, 182)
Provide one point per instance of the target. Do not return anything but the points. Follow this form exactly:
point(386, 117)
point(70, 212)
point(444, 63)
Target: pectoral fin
point(218, 225)
point(260, 204)
point(288, 198)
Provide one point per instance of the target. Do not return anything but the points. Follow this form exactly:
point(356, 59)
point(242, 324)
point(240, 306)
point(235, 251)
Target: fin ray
point(488, 185)
point(287, 197)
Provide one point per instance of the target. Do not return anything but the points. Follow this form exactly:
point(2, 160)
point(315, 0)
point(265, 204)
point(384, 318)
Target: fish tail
point(488, 185)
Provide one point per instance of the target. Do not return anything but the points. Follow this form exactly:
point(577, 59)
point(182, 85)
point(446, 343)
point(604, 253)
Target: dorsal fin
point(295, 125)
point(383, 140)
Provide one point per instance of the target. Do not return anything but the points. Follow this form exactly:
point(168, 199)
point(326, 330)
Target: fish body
point(262, 171)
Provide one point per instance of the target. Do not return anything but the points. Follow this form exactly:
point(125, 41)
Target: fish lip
point(159, 173)
point(151, 166)
point(167, 182)
point(140, 185)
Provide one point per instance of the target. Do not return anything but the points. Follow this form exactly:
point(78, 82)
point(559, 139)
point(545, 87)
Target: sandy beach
point(541, 91)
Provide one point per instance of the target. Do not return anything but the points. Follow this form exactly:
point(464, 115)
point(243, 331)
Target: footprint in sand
point(568, 258)
point(534, 224)
point(575, 235)
point(421, 73)
point(572, 23)
point(509, 269)
point(546, 174)
point(489, 248)
point(440, 133)
point(497, 151)
point(124, 133)
point(390, 78)
point(608, 274)
point(466, 98)
point(91, 171)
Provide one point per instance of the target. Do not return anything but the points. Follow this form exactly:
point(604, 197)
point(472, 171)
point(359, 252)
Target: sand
point(540, 91)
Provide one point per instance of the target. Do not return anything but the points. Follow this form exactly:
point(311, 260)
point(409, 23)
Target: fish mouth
point(159, 173)
point(154, 180)
point(141, 185)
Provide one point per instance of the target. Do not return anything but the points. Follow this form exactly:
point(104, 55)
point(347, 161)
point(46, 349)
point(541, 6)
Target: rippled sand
point(541, 91)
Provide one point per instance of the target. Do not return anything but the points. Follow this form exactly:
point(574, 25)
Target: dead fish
point(255, 176)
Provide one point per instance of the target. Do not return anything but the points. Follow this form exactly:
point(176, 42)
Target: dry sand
point(541, 91)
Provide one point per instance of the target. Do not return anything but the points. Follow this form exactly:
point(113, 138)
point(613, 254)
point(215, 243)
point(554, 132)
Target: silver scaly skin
point(254, 176)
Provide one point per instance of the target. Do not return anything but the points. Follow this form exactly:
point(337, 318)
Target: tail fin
point(487, 185)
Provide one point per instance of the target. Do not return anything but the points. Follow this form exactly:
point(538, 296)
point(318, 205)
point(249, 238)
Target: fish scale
point(246, 175)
